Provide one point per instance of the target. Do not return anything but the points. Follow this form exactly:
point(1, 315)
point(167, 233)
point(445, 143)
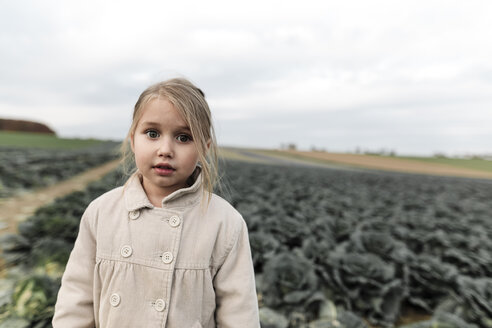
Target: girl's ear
point(132, 146)
point(208, 144)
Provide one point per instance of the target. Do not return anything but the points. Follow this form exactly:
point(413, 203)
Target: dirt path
point(16, 209)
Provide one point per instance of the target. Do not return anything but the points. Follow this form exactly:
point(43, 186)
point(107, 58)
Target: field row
point(330, 247)
point(23, 169)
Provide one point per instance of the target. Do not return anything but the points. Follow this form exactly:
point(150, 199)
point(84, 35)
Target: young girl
point(163, 250)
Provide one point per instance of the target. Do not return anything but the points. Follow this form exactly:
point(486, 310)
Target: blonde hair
point(190, 103)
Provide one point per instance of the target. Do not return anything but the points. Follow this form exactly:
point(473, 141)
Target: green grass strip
point(472, 163)
point(40, 140)
point(476, 164)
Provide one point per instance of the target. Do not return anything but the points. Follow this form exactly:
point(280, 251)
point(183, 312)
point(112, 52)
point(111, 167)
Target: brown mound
point(24, 126)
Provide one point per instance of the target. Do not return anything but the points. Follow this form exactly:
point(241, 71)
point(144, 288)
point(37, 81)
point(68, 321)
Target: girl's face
point(165, 153)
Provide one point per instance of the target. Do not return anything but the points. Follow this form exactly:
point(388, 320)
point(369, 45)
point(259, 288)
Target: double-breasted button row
point(174, 221)
point(159, 304)
point(167, 257)
point(133, 215)
point(127, 251)
point(114, 300)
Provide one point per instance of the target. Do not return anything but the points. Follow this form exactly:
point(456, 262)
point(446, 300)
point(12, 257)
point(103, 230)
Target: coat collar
point(136, 198)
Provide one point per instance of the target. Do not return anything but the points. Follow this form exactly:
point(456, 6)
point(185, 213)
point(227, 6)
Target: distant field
point(38, 140)
point(235, 154)
point(473, 168)
point(474, 164)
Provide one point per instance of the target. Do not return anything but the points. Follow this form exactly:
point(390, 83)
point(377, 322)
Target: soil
point(18, 208)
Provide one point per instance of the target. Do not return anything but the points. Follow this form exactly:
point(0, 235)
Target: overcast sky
point(410, 76)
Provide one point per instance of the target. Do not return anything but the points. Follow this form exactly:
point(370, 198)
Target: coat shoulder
point(229, 224)
point(225, 210)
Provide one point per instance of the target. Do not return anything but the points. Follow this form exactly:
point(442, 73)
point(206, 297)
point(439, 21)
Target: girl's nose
point(166, 147)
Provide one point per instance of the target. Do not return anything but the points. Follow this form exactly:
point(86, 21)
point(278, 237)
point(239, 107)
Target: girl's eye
point(152, 134)
point(183, 138)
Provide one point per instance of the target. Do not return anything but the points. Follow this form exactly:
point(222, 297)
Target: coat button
point(167, 257)
point(159, 305)
point(134, 214)
point(126, 251)
point(174, 221)
point(115, 299)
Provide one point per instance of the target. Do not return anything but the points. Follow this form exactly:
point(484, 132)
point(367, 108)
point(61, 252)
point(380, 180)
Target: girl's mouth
point(164, 169)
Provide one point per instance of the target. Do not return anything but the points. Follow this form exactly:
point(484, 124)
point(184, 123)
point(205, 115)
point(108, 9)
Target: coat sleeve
point(74, 305)
point(234, 284)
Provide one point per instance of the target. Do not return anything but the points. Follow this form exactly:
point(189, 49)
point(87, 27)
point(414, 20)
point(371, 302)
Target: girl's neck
point(156, 195)
point(155, 200)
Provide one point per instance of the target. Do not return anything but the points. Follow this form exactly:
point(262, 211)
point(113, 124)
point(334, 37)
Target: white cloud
point(419, 66)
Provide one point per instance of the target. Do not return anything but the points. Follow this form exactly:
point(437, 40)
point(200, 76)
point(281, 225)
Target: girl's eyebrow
point(179, 127)
point(150, 123)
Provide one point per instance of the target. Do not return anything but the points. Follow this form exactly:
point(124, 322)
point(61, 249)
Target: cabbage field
point(24, 168)
point(331, 248)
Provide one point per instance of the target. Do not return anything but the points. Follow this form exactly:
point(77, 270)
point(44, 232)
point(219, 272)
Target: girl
point(163, 250)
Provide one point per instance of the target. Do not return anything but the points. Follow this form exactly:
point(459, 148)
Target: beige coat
point(179, 266)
